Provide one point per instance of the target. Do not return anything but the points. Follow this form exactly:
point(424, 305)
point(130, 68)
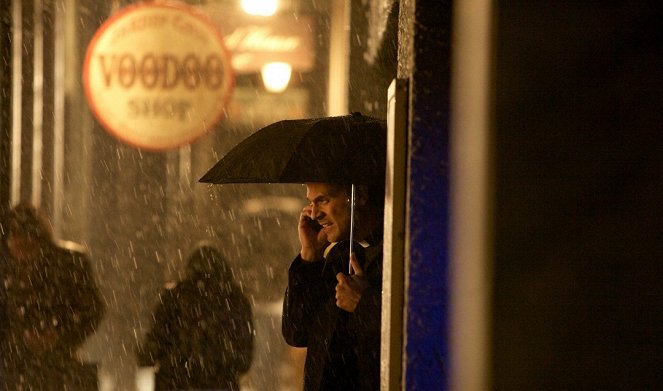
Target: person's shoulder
point(170, 293)
point(72, 247)
point(375, 250)
point(72, 252)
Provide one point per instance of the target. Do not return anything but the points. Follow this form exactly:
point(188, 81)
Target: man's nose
point(315, 212)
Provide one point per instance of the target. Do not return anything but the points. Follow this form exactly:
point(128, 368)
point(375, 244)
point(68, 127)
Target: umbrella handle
point(352, 225)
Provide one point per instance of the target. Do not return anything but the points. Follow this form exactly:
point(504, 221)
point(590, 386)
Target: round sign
point(157, 76)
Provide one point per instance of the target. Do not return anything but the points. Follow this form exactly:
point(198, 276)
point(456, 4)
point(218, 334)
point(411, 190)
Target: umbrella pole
point(352, 225)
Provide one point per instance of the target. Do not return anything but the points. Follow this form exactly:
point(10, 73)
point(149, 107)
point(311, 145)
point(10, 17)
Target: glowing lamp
point(276, 76)
point(260, 7)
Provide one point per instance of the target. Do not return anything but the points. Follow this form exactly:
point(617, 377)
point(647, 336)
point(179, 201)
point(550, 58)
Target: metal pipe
point(17, 92)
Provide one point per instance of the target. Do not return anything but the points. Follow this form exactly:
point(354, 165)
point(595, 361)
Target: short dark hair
point(206, 260)
point(25, 219)
point(374, 194)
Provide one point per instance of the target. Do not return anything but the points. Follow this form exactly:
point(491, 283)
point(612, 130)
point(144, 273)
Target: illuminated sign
point(256, 41)
point(157, 76)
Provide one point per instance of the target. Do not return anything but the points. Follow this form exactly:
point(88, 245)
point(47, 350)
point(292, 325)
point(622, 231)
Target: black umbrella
point(346, 149)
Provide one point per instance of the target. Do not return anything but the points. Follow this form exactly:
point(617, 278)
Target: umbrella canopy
point(346, 149)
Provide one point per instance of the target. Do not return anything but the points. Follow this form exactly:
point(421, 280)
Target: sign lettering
point(157, 76)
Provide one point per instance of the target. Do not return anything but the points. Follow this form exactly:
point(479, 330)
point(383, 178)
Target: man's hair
point(25, 219)
point(374, 194)
point(205, 260)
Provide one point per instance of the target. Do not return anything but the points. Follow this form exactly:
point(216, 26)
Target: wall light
point(276, 76)
point(260, 7)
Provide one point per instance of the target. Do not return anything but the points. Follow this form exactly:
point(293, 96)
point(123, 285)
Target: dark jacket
point(343, 348)
point(54, 295)
point(202, 336)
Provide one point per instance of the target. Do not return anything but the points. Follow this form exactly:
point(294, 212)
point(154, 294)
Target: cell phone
point(314, 224)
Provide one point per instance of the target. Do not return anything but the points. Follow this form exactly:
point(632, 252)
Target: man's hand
point(349, 288)
point(311, 237)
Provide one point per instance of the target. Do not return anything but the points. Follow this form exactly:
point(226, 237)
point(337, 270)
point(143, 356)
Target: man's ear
point(361, 195)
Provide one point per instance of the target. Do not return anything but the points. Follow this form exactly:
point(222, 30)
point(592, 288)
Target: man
point(336, 315)
point(333, 313)
point(202, 337)
point(51, 305)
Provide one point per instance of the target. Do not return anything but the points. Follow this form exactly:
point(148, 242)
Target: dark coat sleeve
point(367, 316)
point(81, 305)
point(159, 339)
point(242, 335)
point(303, 295)
point(366, 322)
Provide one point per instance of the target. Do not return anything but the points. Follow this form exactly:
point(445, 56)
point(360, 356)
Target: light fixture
point(260, 7)
point(276, 75)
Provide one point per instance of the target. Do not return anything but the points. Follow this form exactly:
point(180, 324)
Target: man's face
point(330, 207)
point(22, 247)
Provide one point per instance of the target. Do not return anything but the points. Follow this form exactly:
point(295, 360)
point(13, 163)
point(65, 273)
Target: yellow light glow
point(260, 7)
point(276, 76)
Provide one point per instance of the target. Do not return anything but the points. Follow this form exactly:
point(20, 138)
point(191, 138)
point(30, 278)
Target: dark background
point(578, 162)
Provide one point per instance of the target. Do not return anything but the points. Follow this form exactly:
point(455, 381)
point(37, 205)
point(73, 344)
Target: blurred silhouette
point(50, 305)
point(202, 336)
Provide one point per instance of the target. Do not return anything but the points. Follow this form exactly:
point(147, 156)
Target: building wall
point(424, 60)
point(578, 173)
